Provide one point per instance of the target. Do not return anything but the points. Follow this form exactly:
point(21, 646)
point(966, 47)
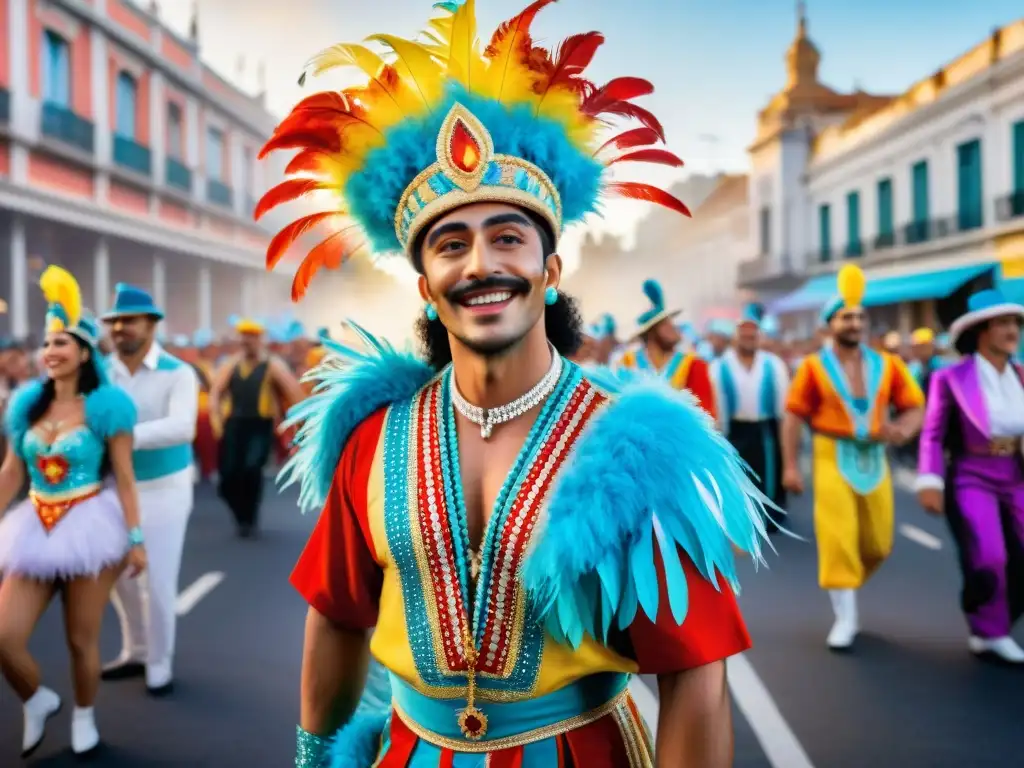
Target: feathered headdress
point(445, 122)
point(851, 284)
point(64, 305)
point(657, 311)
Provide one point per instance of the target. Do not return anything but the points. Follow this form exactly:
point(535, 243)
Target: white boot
point(844, 604)
point(1003, 648)
point(84, 736)
point(43, 705)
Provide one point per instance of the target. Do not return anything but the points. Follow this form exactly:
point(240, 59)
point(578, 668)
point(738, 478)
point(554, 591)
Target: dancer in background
point(165, 391)
point(751, 386)
point(205, 445)
point(249, 394)
point(71, 433)
point(660, 351)
point(407, 457)
point(970, 468)
point(846, 393)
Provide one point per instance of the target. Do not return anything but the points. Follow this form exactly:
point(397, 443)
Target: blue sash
point(766, 410)
point(861, 461)
point(643, 362)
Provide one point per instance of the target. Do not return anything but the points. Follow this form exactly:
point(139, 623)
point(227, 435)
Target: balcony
point(5, 106)
point(885, 240)
point(132, 155)
point(65, 126)
point(854, 249)
point(1011, 206)
point(177, 175)
point(218, 193)
point(766, 272)
point(916, 232)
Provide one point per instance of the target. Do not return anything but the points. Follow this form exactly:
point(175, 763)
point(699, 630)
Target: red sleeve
point(337, 572)
point(698, 381)
point(712, 630)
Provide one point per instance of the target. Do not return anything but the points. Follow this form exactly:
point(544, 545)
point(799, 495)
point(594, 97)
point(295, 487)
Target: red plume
point(619, 89)
point(634, 137)
point(518, 27)
point(573, 56)
point(307, 161)
point(285, 192)
point(283, 239)
point(635, 190)
point(628, 109)
point(329, 253)
point(657, 156)
point(309, 137)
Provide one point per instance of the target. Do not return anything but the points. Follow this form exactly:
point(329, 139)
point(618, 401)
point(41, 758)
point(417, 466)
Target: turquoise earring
point(430, 311)
point(550, 295)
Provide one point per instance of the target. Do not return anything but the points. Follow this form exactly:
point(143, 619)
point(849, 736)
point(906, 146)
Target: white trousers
point(146, 605)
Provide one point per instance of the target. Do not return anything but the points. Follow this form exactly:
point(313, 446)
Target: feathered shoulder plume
point(449, 119)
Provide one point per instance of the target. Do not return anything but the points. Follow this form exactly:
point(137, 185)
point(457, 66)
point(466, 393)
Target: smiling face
point(62, 355)
point(484, 268)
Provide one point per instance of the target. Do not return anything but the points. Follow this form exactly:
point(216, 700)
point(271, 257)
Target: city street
point(909, 696)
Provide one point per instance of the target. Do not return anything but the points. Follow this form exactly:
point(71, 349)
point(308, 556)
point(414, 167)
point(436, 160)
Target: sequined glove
point(310, 750)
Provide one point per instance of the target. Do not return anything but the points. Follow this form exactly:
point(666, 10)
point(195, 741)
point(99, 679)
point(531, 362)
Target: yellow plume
point(851, 284)
point(60, 287)
point(922, 336)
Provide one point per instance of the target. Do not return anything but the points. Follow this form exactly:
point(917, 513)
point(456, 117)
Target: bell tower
point(802, 58)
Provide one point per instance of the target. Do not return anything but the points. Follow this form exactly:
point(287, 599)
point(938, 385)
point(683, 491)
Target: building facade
point(924, 190)
point(124, 158)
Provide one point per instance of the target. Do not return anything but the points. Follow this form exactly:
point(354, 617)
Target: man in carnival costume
point(166, 395)
point(751, 386)
point(508, 612)
point(719, 333)
point(970, 468)
point(845, 393)
point(660, 350)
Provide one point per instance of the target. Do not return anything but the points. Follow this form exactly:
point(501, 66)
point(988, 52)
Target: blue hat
point(323, 333)
point(752, 314)
point(721, 327)
point(981, 306)
point(602, 328)
point(129, 300)
point(657, 311)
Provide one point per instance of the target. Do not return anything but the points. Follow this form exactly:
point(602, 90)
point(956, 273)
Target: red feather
point(286, 191)
point(634, 137)
point(518, 27)
point(327, 141)
point(324, 100)
point(307, 161)
point(573, 56)
point(658, 156)
point(628, 109)
point(283, 239)
point(330, 253)
point(635, 190)
point(619, 89)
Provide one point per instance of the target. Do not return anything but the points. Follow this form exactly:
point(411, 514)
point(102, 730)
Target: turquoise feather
point(650, 471)
point(351, 385)
point(652, 290)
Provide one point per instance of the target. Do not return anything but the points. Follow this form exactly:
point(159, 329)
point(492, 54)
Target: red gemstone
point(473, 724)
point(465, 150)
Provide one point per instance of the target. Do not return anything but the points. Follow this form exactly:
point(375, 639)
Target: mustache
point(493, 283)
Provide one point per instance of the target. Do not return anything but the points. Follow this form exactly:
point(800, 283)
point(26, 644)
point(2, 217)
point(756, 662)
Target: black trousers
point(245, 448)
point(758, 444)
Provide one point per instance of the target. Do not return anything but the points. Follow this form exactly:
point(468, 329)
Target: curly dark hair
point(562, 321)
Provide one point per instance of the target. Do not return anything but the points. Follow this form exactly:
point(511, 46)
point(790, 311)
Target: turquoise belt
point(509, 724)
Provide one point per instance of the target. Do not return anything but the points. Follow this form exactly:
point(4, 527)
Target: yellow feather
point(851, 284)
point(462, 48)
point(60, 287)
point(372, 65)
point(416, 65)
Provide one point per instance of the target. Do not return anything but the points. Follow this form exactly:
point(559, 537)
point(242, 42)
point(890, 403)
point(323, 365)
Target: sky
point(714, 63)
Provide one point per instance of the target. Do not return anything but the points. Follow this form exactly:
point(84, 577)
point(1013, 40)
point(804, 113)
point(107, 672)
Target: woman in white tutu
point(71, 433)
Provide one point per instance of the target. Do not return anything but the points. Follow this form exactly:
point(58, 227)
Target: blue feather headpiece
point(752, 314)
point(657, 310)
point(442, 123)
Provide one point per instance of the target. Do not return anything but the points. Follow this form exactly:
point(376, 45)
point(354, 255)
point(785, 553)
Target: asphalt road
point(909, 696)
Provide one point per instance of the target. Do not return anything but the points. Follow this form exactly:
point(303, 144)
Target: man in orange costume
point(660, 349)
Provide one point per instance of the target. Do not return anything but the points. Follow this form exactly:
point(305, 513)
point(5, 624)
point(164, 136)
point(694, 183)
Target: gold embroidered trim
point(509, 742)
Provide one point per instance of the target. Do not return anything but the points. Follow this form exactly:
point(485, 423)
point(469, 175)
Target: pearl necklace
point(488, 418)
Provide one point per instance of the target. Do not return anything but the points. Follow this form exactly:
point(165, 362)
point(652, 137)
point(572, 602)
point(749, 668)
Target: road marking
point(921, 537)
point(200, 588)
point(777, 739)
point(645, 701)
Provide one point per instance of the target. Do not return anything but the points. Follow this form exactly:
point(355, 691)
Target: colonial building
point(123, 157)
point(925, 190)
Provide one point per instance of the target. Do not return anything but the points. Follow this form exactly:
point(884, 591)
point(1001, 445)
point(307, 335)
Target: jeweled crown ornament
point(442, 122)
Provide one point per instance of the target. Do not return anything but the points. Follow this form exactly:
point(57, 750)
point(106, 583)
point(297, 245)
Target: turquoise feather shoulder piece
point(16, 422)
point(109, 411)
point(649, 472)
point(351, 385)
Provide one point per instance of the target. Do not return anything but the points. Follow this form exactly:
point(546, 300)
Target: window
point(824, 232)
point(56, 70)
point(885, 218)
point(766, 230)
point(247, 170)
point(853, 246)
point(175, 138)
point(215, 154)
point(1018, 158)
point(970, 202)
point(125, 104)
point(919, 174)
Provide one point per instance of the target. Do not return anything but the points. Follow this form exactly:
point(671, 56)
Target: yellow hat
point(922, 336)
point(249, 326)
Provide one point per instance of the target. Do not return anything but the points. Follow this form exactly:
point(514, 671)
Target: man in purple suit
point(971, 469)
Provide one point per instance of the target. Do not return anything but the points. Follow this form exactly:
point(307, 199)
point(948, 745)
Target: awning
point(919, 286)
